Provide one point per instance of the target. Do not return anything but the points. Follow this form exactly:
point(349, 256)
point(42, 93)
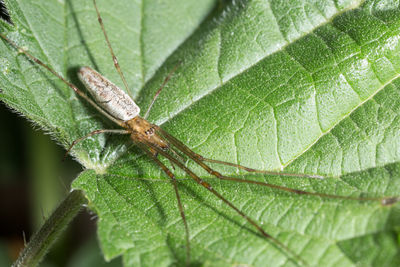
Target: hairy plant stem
point(43, 239)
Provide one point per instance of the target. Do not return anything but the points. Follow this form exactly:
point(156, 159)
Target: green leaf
point(308, 86)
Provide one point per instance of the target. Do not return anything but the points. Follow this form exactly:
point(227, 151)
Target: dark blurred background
point(33, 181)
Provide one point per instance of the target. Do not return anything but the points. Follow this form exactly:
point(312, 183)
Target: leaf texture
point(304, 86)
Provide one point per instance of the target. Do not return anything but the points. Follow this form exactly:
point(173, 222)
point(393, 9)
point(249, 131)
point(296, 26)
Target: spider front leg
point(91, 134)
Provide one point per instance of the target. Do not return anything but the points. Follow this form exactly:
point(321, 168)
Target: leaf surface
point(305, 86)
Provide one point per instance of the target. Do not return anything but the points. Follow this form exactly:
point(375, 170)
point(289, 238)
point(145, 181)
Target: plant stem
point(43, 239)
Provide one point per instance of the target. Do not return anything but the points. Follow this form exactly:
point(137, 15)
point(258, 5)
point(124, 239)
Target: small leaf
point(308, 86)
